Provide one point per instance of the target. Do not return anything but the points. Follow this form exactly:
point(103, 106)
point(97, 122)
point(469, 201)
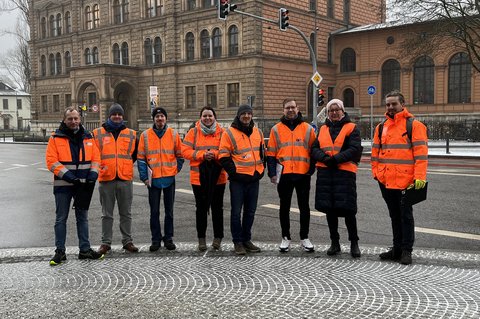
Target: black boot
point(334, 248)
point(354, 249)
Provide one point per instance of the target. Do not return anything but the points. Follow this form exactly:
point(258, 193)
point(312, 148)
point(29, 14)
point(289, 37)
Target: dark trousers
point(350, 222)
point(154, 196)
point(285, 188)
point(243, 195)
point(403, 225)
point(202, 206)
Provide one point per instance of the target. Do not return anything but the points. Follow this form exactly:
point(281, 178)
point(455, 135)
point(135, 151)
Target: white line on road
point(43, 169)
point(438, 173)
point(185, 191)
point(10, 168)
point(295, 210)
point(447, 233)
point(37, 163)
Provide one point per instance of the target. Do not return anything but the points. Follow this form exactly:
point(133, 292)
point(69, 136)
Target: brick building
point(100, 51)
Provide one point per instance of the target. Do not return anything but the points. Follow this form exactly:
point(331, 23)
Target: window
point(390, 76)
point(68, 60)
point(92, 98)
point(58, 63)
point(348, 60)
point(233, 94)
point(329, 50)
point(204, 44)
point(5, 104)
point(51, 61)
point(116, 54)
point(459, 79)
point(190, 46)
point(53, 29)
point(423, 80)
point(56, 103)
point(313, 43)
point(346, 11)
point(191, 4)
point(330, 9)
point(58, 23)
point(147, 47)
point(43, 65)
point(6, 123)
point(190, 97)
point(348, 98)
point(217, 43)
point(153, 8)
point(44, 103)
point(211, 95)
point(68, 22)
point(124, 53)
point(19, 104)
point(68, 100)
point(96, 17)
point(233, 40)
point(120, 11)
point(313, 5)
point(88, 18)
point(157, 50)
point(207, 3)
point(88, 56)
point(43, 28)
point(95, 59)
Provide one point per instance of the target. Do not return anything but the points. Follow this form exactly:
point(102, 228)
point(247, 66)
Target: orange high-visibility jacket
point(72, 161)
point(194, 146)
point(334, 147)
point(291, 148)
point(115, 155)
point(244, 150)
point(160, 154)
point(400, 161)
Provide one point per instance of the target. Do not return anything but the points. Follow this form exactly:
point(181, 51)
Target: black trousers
point(350, 222)
point(202, 207)
point(301, 184)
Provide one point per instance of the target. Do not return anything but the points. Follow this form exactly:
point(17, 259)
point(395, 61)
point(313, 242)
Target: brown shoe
point(216, 244)
point(202, 244)
point(104, 248)
point(130, 247)
point(239, 249)
point(250, 247)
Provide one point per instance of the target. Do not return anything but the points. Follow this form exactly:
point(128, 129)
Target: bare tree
point(442, 22)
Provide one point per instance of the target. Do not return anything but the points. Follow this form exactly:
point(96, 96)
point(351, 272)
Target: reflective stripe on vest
point(161, 153)
point(247, 158)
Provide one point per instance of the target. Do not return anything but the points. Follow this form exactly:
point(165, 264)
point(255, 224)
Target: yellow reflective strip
point(395, 161)
point(396, 146)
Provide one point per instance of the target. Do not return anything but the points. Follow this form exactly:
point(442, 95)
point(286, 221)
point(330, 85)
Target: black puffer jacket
point(336, 190)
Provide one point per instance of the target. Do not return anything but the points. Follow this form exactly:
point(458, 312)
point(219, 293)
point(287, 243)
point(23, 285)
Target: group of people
point(237, 154)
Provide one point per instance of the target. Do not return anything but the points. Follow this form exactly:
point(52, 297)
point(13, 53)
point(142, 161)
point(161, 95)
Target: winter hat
point(243, 109)
point(158, 110)
point(335, 101)
point(114, 109)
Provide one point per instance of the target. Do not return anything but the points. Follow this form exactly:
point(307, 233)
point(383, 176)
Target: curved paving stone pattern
point(186, 284)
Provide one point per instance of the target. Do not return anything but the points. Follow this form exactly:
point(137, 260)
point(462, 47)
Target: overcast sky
point(7, 22)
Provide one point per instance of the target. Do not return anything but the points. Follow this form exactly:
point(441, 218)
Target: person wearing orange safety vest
point(118, 151)
point(207, 177)
point(242, 154)
point(159, 159)
point(288, 150)
point(337, 151)
point(73, 158)
point(399, 163)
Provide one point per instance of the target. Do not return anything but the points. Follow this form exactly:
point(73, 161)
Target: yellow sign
point(316, 78)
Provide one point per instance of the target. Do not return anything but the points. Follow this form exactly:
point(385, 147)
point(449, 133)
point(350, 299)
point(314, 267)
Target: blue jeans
point(62, 208)
point(243, 195)
point(154, 196)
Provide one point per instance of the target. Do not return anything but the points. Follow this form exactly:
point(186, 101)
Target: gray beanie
point(243, 109)
point(115, 108)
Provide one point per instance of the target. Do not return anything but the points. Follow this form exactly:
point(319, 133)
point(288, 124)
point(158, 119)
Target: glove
point(418, 184)
point(330, 162)
point(90, 181)
point(76, 181)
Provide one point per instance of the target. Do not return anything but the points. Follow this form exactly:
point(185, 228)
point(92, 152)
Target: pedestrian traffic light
point(223, 8)
point(321, 96)
point(283, 19)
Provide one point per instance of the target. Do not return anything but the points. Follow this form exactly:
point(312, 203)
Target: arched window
point(346, 11)
point(390, 76)
point(95, 58)
point(459, 79)
point(96, 16)
point(190, 46)
point(43, 65)
point(348, 60)
point(51, 61)
point(58, 23)
point(157, 50)
point(88, 56)
point(116, 54)
point(147, 47)
point(233, 40)
point(53, 29)
point(43, 28)
point(348, 98)
point(68, 22)
point(204, 44)
point(68, 60)
point(217, 43)
point(58, 63)
point(124, 53)
point(423, 80)
point(88, 18)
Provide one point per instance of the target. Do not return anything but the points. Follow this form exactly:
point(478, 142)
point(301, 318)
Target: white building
point(14, 108)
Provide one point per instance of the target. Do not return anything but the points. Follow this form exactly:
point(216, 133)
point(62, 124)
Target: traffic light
point(283, 19)
point(321, 96)
point(223, 8)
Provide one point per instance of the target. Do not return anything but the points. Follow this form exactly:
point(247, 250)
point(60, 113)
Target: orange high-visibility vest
point(292, 148)
point(160, 154)
point(244, 150)
point(194, 146)
point(332, 148)
point(400, 161)
point(115, 155)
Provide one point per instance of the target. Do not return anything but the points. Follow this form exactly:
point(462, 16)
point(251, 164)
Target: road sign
point(316, 78)
point(372, 90)
point(94, 108)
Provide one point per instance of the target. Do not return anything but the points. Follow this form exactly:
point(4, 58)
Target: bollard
point(448, 145)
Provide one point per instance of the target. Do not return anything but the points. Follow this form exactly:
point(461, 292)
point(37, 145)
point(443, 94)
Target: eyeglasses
point(334, 110)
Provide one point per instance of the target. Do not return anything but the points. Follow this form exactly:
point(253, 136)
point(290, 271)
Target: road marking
point(37, 163)
point(185, 191)
point(43, 169)
point(10, 168)
point(447, 233)
point(138, 184)
point(19, 165)
point(437, 173)
point(295, 210)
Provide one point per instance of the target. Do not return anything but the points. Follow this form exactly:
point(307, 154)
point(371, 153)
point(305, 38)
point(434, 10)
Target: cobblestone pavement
point(189, 284)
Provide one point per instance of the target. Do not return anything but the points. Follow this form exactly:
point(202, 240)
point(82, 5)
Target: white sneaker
point(307, 245)
point(285, 245)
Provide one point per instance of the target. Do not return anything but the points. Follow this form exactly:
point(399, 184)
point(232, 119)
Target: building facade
point(94, 53)
point(15, 109)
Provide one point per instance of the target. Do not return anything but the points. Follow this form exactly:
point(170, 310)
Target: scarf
point(208, 130)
